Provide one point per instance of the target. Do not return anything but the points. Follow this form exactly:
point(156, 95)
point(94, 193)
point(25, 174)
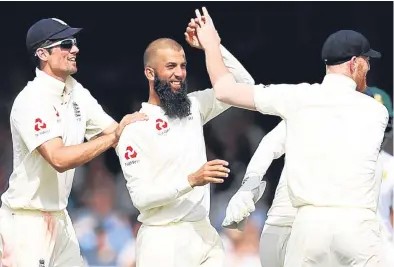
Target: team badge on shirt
point(162, 126)
point(40, 127)
point(130, 156)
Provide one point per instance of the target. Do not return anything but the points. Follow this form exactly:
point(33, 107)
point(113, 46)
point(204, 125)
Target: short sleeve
point(36, 123)
point(280, 100)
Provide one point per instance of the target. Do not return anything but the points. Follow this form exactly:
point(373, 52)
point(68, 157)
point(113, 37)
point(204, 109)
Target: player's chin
point(72, 70)
point(176, 88)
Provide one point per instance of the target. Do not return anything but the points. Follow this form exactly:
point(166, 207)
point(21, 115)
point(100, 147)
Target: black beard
point(175, 104)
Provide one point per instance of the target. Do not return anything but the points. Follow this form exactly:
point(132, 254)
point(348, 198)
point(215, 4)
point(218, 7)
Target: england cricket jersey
point(386, 198)
point(158, 155)
point(45, 109)
point(334, 135)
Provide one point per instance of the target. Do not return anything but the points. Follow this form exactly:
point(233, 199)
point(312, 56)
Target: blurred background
point(278, 42)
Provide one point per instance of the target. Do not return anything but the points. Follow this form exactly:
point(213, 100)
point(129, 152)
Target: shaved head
point(153, 47)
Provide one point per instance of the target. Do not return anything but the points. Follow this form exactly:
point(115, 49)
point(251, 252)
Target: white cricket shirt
point(271, 147)
point(386, 197)
point(45, 109)
point(157, 156)
point(334, 135)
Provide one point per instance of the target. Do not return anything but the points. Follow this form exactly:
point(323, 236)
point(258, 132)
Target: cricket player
point(49, 120)
point(330, 171)
point(277, 228)
point(164, 161)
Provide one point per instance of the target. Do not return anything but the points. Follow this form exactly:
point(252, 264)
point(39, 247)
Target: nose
point(74, 49)
point(178, 72)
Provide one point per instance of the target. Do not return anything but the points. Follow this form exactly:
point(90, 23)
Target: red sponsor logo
point(39, 125)
point(130, 153)
point(161, 124)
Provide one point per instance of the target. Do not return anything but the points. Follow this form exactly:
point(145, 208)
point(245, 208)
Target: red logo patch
point(39, 125)
point(130, 153)
point(161, 124)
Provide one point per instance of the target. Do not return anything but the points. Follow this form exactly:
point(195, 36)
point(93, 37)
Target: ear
point(42, 54)
point(149, 73)
point(352, 65)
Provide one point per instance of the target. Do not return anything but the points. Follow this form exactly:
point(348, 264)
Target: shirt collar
point(53, 85)
point(333, 80)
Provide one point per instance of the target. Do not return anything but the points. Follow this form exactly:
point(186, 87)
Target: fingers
point(214, 180)
point(218, 168)
point(217, 162)
point(190, 30)
point(195, 40)
point(199, 20)
point(133, 118)
point(217, 174)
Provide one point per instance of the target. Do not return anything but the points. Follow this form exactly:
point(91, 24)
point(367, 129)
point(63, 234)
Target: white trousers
point(273, 243)
point(40, 239)
point(184, 244)
point(339, 237)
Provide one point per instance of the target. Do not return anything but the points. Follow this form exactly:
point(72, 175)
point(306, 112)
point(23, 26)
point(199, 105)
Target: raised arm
point(273, 99)
point(210, 106)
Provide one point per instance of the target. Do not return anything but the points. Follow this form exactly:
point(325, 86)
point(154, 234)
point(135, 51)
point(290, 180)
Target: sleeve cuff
point(32, 146)
point(184, 187)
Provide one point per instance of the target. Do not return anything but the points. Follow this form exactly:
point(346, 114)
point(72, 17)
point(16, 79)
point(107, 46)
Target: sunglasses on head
point(64, 44)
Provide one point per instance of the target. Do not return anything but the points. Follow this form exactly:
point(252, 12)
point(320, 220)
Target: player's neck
point(50, 72)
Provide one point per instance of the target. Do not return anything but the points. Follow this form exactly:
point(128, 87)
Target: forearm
point(150, 196)
point(68, 157)
point(227, 90)
point(215, 64)
point(260, 163)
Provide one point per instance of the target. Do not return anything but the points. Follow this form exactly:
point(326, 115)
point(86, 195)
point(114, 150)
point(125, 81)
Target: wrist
point(190, 180)
point(184, 186)
point(113, 139)
point(212, 49)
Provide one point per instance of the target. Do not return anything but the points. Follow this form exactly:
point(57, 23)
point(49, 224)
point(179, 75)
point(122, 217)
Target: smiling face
point(170, 67)
point(59, 61)
point(165, 68)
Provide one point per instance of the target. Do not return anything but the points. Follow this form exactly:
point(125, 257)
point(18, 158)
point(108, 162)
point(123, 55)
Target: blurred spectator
point(101, 231)
point(242, 248)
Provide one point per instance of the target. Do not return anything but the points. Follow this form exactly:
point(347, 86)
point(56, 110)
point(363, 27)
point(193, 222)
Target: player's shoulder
point(29, 98)
point(135, 129)
point(298, 87)
point(373, 105)
point(201, 95)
